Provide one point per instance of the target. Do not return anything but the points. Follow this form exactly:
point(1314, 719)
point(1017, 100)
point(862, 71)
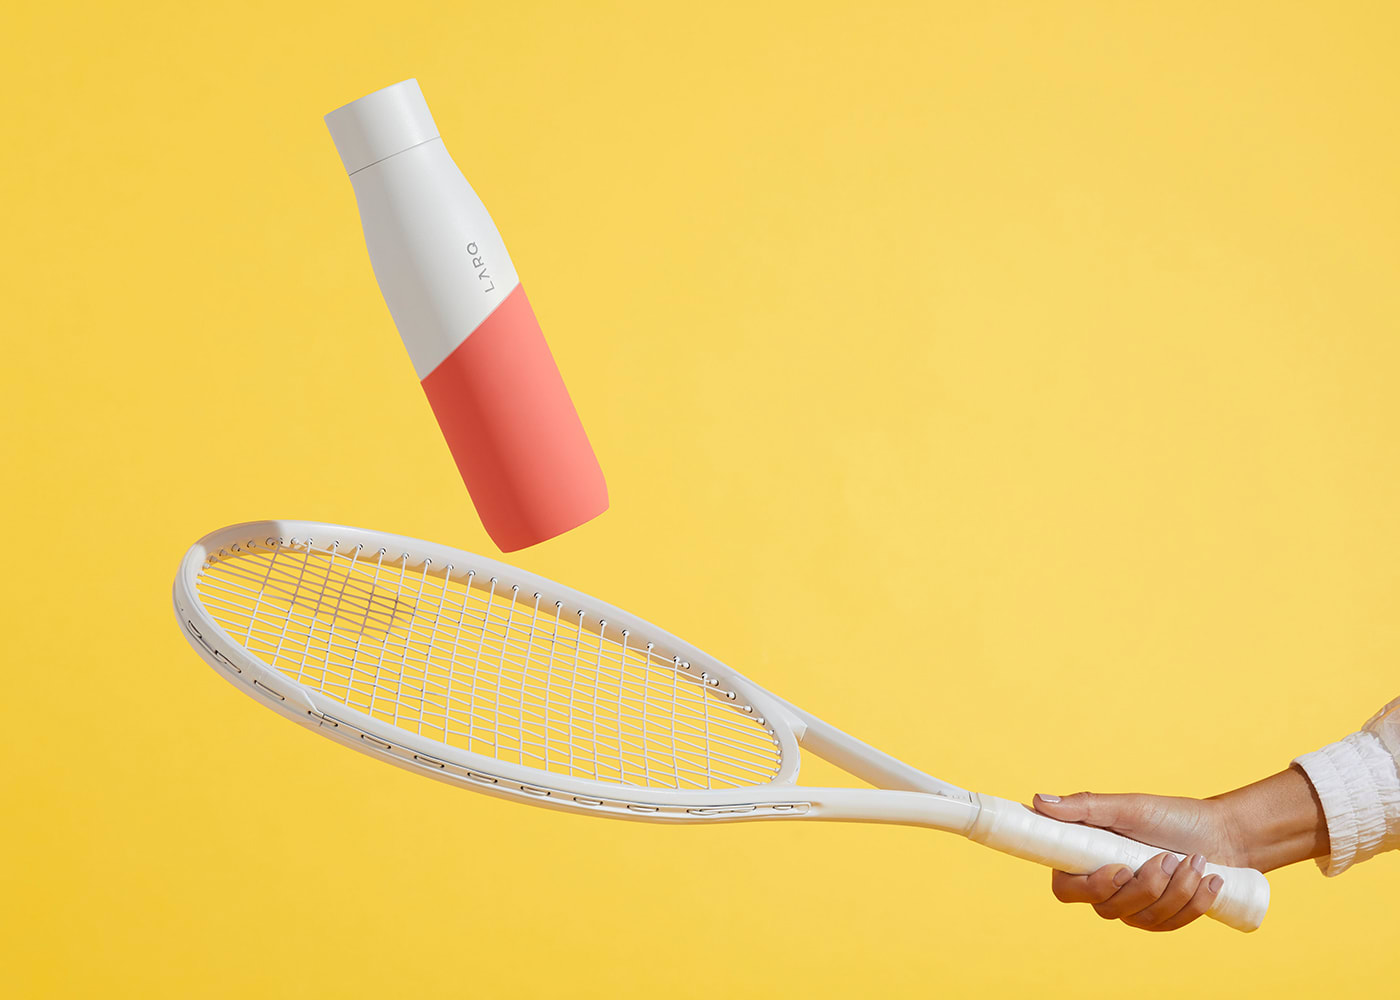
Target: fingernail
point(1198, 862)
point(1047, 798)
point(1214, 883)
point(1169, 863)
point(1121, 876)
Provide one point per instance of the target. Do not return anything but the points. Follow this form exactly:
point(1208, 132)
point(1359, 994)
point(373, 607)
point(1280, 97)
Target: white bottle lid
point(381, 124)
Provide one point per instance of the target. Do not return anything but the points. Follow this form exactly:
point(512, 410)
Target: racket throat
point(861, 759)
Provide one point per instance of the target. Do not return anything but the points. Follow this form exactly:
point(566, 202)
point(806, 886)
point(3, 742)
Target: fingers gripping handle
point(1020, 831)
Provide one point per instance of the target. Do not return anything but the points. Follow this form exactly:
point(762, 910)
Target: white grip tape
point(1020, 831)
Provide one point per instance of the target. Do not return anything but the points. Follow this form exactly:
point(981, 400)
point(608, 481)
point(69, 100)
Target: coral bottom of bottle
point(513, 430)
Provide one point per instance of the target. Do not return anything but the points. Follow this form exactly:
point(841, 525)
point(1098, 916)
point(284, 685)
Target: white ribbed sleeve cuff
point(1357, 783)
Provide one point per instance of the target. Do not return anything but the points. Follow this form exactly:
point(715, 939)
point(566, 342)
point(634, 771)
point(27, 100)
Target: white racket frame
point(904, 795)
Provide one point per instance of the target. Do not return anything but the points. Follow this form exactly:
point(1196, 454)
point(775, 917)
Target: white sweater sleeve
point(1357, 779)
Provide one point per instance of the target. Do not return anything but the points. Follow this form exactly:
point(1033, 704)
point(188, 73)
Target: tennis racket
point(486, 676)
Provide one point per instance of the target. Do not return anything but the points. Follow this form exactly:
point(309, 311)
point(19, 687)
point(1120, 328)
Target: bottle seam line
point(392, 155)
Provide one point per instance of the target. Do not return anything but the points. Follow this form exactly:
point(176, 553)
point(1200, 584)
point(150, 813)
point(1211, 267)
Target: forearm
point(1277, 821)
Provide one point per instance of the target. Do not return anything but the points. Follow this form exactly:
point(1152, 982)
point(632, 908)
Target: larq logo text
point(479, 263)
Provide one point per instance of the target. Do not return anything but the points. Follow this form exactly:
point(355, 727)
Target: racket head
point(462, 668)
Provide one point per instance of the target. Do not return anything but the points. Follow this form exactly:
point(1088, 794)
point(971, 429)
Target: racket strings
point(478, 664)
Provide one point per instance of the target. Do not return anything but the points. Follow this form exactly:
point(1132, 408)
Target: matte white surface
point(381, 124)
point(909, 797)
point(441, 264)
point(1019, 830)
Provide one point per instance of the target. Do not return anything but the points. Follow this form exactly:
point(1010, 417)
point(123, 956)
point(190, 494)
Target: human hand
point(1165, 893)
point(1266, 825)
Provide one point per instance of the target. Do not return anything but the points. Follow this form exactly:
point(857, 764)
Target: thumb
point(1110, 811)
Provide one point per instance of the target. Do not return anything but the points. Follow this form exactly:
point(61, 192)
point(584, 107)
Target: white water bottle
point(470, 332)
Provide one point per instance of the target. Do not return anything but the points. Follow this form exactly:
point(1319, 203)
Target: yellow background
point(1013, 385)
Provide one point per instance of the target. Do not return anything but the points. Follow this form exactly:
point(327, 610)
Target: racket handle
point(1018, 830)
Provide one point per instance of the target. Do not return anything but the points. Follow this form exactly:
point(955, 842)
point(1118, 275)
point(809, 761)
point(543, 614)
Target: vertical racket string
point(476, 661)
point(675, 697)
point(452, 657)
point(427, 655)
point(383, 644)
point(437, 619)
point(310, 631)
point(524, 677)
point(621, 683)
point(572, 713)
point(501, 676)
point(549, 679)
point(597, 703)
point(287, 619)
point(257, 601)
point(325, 584)
point(360, 633)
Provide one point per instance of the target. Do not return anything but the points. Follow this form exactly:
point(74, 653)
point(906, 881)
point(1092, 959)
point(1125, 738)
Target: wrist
point(1275, 822)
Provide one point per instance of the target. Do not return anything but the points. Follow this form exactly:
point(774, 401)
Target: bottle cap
point(381, 124)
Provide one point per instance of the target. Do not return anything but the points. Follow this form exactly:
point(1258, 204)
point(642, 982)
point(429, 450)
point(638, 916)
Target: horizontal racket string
point(225, 600)
point(431, 706)
point(397, 599)
point(516, 646)
point(470, 663)
point(744, 755)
